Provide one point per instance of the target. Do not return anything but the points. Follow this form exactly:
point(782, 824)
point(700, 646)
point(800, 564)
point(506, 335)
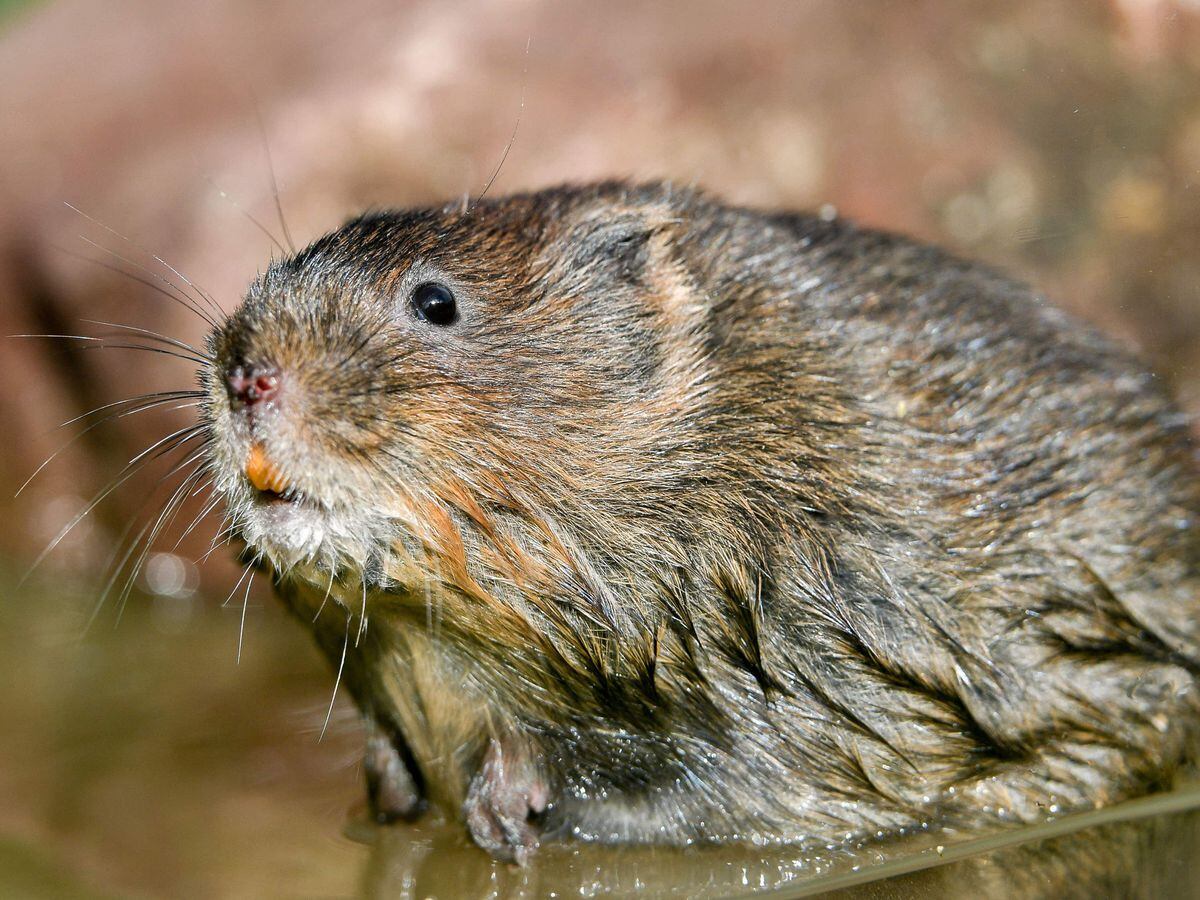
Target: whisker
point(181, 300)
point(246, 571)
point(102, 343)
point(118, 566)
point(337, 681)
point(362, 618)
point(173, 342)
point(253, 221)
point(121, 414)
point(164, 519)
point(105, 345)
point(144, 405)
point(226, 531)
point(179, 294)
point(108, 345)
point(262, 130)
point(512, 140)
point(242, 627)
point(325, 599)
point(201, 516)
point(171, 442)
point(161, 397)
point(158, 259)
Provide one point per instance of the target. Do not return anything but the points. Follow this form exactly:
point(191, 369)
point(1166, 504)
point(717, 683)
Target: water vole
point(629, 515)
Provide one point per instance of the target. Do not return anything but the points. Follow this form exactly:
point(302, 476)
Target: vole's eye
point(435, 303)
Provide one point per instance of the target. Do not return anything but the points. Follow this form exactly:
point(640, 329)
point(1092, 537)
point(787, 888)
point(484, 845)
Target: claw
point(503, 801)
point(392, 790)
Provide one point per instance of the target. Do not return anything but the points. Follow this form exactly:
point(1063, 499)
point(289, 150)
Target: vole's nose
point(251, 385)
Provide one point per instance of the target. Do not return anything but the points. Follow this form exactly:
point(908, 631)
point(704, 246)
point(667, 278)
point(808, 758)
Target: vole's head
point(416, 366)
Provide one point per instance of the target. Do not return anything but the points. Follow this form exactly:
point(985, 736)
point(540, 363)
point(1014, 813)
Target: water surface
point(143, 760)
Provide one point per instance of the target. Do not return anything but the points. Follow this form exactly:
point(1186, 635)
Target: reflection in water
point(437, 861)
point(1144, 848)
point(143, 761)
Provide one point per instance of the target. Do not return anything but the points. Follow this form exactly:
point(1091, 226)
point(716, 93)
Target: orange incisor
point(263, 473)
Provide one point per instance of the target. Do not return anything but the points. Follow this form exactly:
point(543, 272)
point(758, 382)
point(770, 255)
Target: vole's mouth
point(287, 497)
point(272, 487)
point(287, 524)
point(290, 524)
point(264, 475)
point(274, 498)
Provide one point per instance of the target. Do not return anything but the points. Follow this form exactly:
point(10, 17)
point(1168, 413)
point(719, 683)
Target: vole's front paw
point(503, 800)
point(392, 789)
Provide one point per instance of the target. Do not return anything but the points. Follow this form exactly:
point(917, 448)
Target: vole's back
point(967, 586)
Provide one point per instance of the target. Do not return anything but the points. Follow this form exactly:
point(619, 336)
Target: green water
point(143, 761)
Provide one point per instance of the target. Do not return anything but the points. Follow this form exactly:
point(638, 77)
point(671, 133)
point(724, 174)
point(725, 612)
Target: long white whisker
point(222, 537)
point(242, 627)
point(145, 404)
point(178, 293)
point(512, 140)
point(104, 343)
point(118, 566)
point(201, 516)
point(174, 342)
point(179, 438)
point(325, 599)
point(338, 680)
point(362, 619)
point(165, 518)
point(262, 130)
point(253, 221)
point(158, 259)
point(165, 396)
point(246, 571)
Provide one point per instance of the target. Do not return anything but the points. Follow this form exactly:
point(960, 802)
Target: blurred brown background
point(1057, 138)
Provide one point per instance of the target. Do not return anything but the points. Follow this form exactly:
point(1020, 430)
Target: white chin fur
point(293, 534)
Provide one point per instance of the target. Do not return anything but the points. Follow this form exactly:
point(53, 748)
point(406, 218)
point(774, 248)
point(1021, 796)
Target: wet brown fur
point(730, 525)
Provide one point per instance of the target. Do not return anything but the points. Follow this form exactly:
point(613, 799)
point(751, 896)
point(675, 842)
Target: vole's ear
point(620, 241)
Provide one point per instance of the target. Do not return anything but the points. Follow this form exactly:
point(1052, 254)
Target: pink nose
point(251, 385)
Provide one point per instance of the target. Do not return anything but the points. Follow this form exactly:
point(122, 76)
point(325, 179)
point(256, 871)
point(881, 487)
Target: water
point(143, 761)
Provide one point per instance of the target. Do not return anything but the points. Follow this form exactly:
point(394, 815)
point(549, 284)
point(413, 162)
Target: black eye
point(435, 304)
